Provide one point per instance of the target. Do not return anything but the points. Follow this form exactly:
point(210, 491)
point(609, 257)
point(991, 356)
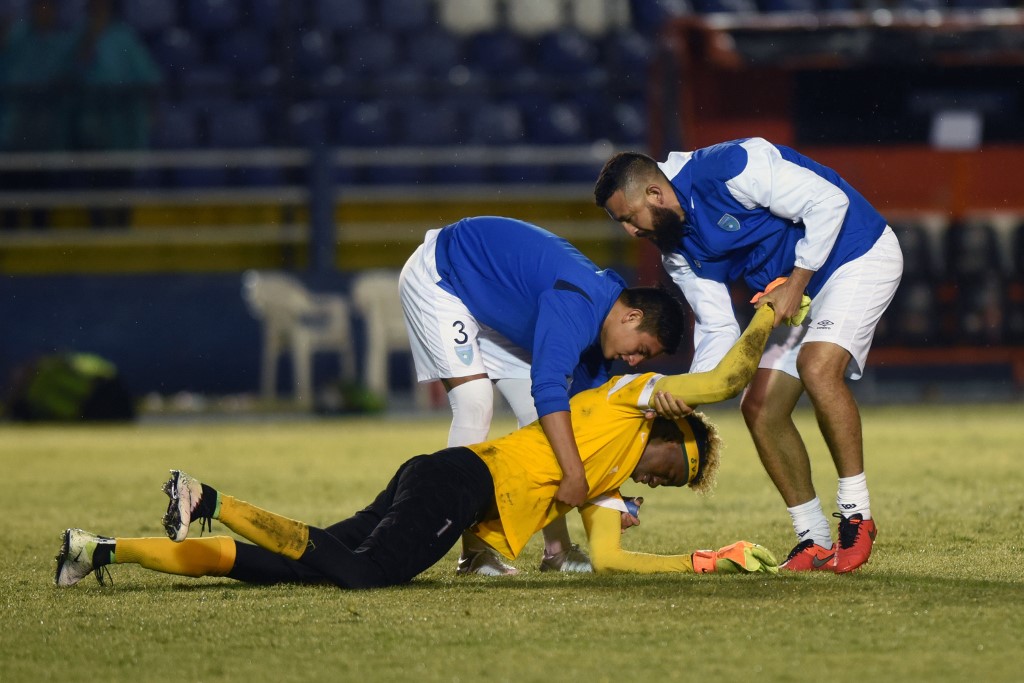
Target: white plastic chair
point(299, 322)
point(375, 297)
point(532, 18)
point(466, 17)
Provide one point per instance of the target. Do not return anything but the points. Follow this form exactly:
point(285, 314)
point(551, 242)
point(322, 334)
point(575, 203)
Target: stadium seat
point(466, 17)
point(340, 15)
point(244, 50)
point(429, 123)
point(566, 52)
point(368, 124)
point(981, 310)
point(595, 18)
point(406, 16)
point(918, 252)
point(176, 128)
point(434, 52)
point(207, 86)
point(268, 15)
point(213, 16)
point(150, 16)
point(236, 127)
point(720, 6)
point(313, 52)
point(971, 250)
point(177, 52)
point(495, 124)
point(300, 323)
point(627, 54)
point(557, 124)
point(912, 319)
point(629, 122)
point(376, 299)
point(772, 6)
point(532, 18)
point(371, 53)
point(650, 16)
point(497, 53)
point(306, 124)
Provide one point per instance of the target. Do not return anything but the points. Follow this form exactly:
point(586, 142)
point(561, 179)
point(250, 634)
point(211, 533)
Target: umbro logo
point(825, 324)
point(848, 506)
point(803, 533)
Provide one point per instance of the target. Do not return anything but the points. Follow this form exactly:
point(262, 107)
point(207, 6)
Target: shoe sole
point(178, 516)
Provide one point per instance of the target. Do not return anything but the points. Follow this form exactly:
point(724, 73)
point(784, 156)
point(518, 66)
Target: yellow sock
point(269, 531)
point(212, 556)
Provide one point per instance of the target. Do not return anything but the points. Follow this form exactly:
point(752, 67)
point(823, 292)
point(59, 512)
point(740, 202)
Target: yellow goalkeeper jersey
point(611, 432)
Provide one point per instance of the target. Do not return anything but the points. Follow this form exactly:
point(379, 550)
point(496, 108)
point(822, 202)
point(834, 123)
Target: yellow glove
point(797, 318)
point(741, 556)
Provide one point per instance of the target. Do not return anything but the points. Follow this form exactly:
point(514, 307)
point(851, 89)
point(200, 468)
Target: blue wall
point(166, 333)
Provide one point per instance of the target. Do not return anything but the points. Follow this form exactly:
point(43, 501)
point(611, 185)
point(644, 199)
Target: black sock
point(103, 554)
point(207, 504)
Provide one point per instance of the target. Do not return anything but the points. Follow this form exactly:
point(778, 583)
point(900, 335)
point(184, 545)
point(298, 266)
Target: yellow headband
point(690, 447)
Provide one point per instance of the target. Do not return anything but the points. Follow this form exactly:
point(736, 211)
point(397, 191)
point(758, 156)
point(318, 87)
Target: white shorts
point(846, 311)
point(446, 340)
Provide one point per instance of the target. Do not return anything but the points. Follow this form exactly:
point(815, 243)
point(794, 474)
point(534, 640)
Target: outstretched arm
point(603, 526)
point(604, 530)
point(731, 374)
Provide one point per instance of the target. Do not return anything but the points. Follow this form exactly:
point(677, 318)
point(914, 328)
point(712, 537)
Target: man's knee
point(822, 366)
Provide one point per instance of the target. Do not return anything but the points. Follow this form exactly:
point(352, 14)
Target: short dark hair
point(664, 316)
point(623, 169)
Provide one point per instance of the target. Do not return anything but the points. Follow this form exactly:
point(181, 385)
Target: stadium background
point(322, 138)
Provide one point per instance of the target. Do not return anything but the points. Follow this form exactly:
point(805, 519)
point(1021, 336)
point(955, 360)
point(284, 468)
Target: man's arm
point(731, 374)
point(715, 329)
point(573, 488)
point(603, 527)
point(604, 532)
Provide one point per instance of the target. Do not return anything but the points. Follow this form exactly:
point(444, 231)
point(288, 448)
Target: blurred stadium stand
point(424, 111)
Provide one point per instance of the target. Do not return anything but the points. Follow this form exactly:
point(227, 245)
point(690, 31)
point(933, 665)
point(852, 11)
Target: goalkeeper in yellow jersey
point(502, 490)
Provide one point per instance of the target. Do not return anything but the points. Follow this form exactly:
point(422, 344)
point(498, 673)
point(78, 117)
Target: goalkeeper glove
point(797, 318)
point(741, 556)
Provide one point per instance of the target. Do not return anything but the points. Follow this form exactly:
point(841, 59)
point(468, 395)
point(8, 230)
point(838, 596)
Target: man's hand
point(740, 557)
point(573, 489)
point(786, 295)
point(669, 406)
point(632, 517)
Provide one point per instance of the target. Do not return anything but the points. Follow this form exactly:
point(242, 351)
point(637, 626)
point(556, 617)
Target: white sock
point(809, 522)
point(853, 496)
point(520, 399)
point(472, 409)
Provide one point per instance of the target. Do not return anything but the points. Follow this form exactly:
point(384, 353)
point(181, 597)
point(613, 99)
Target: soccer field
point(941, 600)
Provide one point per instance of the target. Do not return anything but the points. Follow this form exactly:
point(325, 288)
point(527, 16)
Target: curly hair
point(709, 447)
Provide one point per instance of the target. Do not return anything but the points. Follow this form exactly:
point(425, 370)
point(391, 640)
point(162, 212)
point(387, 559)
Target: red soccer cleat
point(856, 536)
point(808, 556)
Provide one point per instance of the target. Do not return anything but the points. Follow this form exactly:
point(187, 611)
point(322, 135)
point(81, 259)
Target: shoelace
point(847, 531)
point(205, 524)
point(100, 572)
point(800, 547)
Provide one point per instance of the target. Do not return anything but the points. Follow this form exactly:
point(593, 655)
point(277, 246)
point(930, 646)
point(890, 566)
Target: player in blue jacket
point(492, 299)
point(790, 228)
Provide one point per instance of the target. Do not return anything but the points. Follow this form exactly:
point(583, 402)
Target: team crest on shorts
point(728, 223)
point(465, 353)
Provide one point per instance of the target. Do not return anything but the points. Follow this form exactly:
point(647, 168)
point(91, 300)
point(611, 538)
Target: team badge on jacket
point(728, 223)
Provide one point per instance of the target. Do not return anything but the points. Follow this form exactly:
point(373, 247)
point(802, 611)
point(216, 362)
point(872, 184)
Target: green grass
point(941, 599)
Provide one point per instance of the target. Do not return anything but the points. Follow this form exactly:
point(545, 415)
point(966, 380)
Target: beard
point(668, 229)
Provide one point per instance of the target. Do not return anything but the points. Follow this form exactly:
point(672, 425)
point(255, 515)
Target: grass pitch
point(941, 600)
